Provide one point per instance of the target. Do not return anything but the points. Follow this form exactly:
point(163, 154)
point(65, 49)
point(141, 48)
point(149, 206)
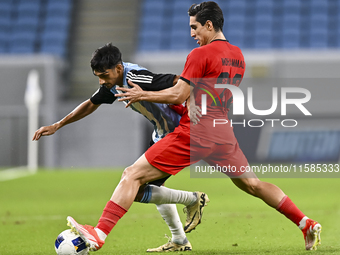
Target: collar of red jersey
point(220, 40)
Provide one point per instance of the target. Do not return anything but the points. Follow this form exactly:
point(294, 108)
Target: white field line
point(14, 173)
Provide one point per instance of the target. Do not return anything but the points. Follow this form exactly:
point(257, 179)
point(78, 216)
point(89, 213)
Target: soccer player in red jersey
point(215, 60)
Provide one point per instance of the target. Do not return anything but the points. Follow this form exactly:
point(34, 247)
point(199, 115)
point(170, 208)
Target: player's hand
point(44, 131)
point(132, 94)
point(194, 113)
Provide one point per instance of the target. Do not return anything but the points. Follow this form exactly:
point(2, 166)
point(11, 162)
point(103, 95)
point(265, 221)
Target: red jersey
point(215, 63)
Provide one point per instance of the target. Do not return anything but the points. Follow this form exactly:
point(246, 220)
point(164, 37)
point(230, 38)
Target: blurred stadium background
point(291, 43)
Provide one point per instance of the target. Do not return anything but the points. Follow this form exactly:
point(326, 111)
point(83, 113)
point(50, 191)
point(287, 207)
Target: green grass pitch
point(33, 212)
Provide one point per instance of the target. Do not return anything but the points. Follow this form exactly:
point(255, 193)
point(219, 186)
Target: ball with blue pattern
point(68, 243)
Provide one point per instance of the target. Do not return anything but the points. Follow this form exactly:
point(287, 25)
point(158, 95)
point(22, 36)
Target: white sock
point(302, 222)
point(164, 195)
point(101, 234)
point(170, 215)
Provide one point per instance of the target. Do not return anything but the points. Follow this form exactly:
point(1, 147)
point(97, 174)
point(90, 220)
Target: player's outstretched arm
point(174, 95)
point(81, 111)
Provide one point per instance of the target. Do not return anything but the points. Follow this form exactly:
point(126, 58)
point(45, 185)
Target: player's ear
point(209, 25)
point(119, 68)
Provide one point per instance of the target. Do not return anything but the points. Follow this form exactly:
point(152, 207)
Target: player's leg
point(274, 197)
point(269, 193)
point(163, 195)
point(155, 192)
point(169, 213)
point(178, 241)
point(133, 177)
point(172, 154)
point(166, 155)
point(161, 156)
point(122, 198)
point(171, 157)
point(194, 202)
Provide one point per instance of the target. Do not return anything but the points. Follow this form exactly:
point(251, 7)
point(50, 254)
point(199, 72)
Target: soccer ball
point(69, 243)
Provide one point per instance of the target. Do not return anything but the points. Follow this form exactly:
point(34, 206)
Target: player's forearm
point(174, 95)
point(164, 96)
point(78, 113)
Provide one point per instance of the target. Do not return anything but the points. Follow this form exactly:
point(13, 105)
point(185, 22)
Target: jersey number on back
point(225, 95)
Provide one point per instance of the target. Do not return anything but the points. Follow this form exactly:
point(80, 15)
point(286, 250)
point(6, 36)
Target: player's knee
point(253, 186)
point(257, 188)
point(131, 174)
point(128, 173)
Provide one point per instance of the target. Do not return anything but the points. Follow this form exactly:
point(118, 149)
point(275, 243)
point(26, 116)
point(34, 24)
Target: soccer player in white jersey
point(107, 65)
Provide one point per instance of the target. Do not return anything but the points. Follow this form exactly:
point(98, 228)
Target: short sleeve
point(194, 66)
point(150, 81)
point(103, 96)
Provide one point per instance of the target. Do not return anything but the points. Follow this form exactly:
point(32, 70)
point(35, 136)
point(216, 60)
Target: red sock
point(111, 214)
point(290, 210)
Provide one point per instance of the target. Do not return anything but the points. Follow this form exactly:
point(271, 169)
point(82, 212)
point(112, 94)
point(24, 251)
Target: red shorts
point(177, 151)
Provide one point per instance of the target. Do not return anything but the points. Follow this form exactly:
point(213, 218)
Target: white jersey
point(162, 117)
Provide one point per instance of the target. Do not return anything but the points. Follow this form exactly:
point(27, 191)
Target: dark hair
point(106, 57)
point(208, 11)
